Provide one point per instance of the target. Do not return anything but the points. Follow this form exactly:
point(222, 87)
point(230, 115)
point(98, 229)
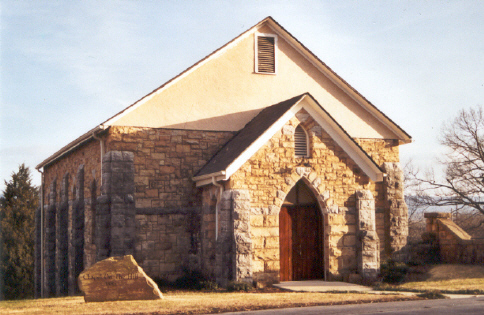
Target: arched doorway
point(300, 236)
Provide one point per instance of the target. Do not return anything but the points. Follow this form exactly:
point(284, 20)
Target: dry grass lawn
point(449, 278)
point(191, 303)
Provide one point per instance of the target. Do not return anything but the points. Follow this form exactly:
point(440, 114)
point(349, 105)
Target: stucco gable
point(263, 127)
point(224, 92)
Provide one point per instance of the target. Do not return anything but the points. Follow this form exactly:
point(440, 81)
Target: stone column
point(233, 257)
point(49, 250)
point(369, 244)
point(38, 253)
point(62, 239)
point(103, 227)
point(242, 240)
point(115, 212)
point(223, 243)
point(76, 255)
point(396, 212)
point(431, 218)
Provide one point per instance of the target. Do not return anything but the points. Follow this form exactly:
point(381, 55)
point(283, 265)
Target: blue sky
point(67, 66)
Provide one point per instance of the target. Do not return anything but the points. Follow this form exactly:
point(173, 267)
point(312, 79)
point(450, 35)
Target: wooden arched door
point(300, 241)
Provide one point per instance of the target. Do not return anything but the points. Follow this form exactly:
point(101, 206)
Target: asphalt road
point(468, 306)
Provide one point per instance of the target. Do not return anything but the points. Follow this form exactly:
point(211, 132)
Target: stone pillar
point(103, 228)
point(76, 255)
point(224, 241)
point(431, 225)
point(49, 250)
point(62, 239)
point(115, 211)
point(242, 240)
point(396, 212)
point(38, 253)
point(369, 244)
point(233, 257)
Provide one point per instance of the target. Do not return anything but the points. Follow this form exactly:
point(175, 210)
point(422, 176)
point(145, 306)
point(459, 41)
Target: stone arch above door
point(314, 183)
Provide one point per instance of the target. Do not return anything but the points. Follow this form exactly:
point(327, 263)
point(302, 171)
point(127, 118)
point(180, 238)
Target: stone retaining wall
point(456, 246)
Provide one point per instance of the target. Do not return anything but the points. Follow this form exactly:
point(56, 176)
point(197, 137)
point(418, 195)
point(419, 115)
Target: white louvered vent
point(266, 54)
point(300, 142)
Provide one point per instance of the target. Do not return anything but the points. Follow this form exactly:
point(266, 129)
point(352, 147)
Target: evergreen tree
point(17, 212)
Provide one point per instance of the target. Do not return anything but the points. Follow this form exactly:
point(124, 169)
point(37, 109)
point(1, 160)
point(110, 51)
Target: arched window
point(301, 147)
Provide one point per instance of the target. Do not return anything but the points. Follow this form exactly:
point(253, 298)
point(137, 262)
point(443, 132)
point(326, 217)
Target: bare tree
point(462, 186)
point(417, 202)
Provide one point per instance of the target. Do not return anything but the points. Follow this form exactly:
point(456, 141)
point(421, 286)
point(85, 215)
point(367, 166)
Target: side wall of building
point(168, 205)
point(70, 188)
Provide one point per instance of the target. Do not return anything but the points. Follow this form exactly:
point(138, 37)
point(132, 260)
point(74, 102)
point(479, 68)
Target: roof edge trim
point(71, 146)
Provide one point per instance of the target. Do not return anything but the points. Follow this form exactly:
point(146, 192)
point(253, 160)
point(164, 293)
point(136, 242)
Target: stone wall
point(381, 150)
point(166, 198)
point(165, 161)
point(68, 212)
point(89, 155)
point(334, 179)
point(456, 246)
point(148, 205)
point(210, 195)
point(165, 243)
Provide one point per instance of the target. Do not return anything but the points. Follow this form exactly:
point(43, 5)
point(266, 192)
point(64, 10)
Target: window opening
point(266, 54)
point(300, 142)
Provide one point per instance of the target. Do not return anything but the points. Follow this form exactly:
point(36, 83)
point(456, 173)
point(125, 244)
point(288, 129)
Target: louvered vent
point(300, 142)
point(266, 54)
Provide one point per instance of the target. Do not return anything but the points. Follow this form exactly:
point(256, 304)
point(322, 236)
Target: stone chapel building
point(258, 164)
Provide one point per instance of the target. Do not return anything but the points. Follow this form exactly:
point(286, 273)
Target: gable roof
point(280, 31)
point(265, 125)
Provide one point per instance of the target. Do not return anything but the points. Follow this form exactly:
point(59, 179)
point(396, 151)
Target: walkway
point(328, 286)
point(321, 286)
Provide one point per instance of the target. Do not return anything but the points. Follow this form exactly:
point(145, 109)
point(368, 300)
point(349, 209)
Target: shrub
point(393, 272)
point(192, 279)
point(434, 294)
point(239, 286)
point(162, 283)
point(209, 285)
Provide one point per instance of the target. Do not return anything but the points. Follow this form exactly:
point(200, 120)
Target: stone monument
point(117, 279)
